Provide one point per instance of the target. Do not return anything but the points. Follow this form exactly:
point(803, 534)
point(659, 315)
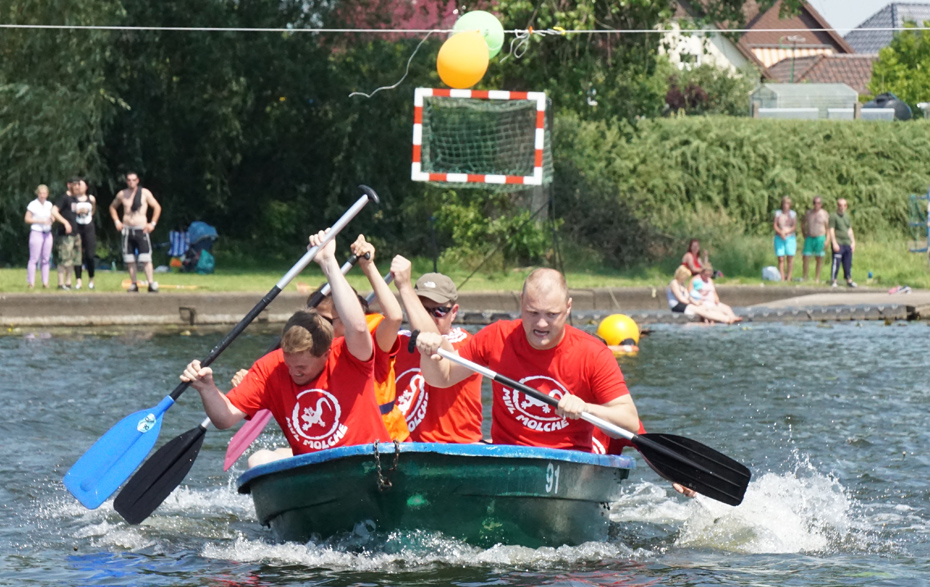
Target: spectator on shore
point(40, 214)
point(843, 242)
point(704, 283)
point(680, 300)
point(786, 243)
point(69, 243)
point(694, 258)
point(814, 226)
point(84, 208)
point(135, 228)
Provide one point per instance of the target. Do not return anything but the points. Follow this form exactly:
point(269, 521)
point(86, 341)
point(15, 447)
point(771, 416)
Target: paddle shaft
point(282, 283)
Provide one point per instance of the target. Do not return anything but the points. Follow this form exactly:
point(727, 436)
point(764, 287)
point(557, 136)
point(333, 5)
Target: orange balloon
point(463, 59)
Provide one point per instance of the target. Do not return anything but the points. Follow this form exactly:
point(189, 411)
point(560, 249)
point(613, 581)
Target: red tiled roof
point(853, 70)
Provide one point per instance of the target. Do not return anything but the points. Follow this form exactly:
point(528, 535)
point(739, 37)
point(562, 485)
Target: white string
point(406, 71)
point(542, 32)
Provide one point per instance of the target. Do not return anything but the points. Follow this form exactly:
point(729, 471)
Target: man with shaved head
point(541, 351)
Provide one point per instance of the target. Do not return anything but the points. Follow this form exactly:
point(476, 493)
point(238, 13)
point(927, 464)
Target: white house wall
point(702, 49)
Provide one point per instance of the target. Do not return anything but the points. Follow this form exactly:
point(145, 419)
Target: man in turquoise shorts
point(814, 228)
point(786, 244)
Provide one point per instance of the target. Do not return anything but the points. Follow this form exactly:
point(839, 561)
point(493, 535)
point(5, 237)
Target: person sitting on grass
point(704, 283)
point(680, 301)
point(694, 258)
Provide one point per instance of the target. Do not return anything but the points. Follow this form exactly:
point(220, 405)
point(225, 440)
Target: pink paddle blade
point(245, 436)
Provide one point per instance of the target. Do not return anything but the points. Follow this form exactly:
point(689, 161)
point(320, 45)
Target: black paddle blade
point(159, 476)
point(695, 465)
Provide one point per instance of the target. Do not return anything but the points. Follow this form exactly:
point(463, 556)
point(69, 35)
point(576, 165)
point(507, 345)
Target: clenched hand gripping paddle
point(113, 458)
point(676, 458)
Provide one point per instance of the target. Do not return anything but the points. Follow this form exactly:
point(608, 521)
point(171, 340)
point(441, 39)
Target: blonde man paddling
point(320, 390)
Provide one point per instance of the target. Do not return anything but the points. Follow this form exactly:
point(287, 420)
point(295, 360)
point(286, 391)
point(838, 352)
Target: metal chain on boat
point(384, 478)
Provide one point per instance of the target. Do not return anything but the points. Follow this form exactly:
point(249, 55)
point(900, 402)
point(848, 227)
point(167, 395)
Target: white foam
point(406, 550)
point(800, 511)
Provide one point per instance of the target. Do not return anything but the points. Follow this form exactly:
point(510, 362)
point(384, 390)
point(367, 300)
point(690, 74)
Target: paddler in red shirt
point(450, 415)
point(319, 390)
point(541, 351)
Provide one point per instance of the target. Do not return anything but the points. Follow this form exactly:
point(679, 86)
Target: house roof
point(763, 38)
point(852, 70)
point(894, 15)
point(762, 23)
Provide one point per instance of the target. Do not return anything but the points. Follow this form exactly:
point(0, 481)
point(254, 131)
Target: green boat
point(481, 493)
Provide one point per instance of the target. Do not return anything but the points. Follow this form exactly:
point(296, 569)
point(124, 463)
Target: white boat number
point(552, 479)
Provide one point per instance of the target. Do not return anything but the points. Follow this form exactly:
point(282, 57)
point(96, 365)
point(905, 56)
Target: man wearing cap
point(451, 414)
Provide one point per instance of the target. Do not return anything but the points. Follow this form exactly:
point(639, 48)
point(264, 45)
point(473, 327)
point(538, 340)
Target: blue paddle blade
point(114, 457)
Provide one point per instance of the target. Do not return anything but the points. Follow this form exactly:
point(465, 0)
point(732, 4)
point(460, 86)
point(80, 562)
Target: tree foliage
point(903, 67)
point(257, 134)
point(54, 104)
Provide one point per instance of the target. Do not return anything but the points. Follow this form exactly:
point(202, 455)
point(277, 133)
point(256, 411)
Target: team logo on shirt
point(533, 413)
point(412, 397)
point(315, 419)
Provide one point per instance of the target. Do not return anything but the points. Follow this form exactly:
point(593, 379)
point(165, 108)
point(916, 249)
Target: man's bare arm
point(219, 409)
point(154, 205)
point(437, 371)
point(416, 314)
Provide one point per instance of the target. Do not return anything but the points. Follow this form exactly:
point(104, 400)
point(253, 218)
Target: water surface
point(832, 419)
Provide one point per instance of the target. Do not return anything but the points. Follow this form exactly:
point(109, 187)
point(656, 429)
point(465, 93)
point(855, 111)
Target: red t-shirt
point(338, 408)
point(435, 414)
point(580, 364)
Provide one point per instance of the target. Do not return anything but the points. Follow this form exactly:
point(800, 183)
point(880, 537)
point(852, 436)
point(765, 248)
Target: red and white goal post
point(528, 140)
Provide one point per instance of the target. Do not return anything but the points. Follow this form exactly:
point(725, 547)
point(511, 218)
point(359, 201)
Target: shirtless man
point(814, 227)
point(786, 243)
point(135, 228)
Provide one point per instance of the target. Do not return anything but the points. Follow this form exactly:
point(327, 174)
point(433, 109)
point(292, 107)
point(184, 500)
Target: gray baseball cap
point(436, 287)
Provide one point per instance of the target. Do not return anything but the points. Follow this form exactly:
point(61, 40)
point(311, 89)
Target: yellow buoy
point(619, 330)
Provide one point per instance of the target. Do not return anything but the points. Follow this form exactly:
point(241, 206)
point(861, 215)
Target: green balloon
point(486, 24)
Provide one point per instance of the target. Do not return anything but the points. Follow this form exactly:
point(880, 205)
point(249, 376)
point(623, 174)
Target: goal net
point(481, 139)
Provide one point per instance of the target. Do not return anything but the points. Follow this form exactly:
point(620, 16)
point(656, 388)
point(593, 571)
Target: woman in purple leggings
point(39, 216)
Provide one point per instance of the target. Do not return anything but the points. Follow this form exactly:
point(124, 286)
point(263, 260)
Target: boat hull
point(482, 494)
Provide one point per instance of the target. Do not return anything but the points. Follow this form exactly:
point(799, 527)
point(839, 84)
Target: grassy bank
point(741, 259)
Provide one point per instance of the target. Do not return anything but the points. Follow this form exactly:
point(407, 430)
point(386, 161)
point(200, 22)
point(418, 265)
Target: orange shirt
point(337, 408)
point(385, 387)
point(451, 415)
point(580, 364)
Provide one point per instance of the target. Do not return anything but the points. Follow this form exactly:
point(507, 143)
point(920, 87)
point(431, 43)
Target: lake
point(832, 419)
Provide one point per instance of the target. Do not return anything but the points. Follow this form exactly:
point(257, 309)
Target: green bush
point(640, 191)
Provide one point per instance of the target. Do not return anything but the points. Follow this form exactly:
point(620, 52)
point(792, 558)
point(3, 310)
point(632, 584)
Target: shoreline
point(645, 305)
